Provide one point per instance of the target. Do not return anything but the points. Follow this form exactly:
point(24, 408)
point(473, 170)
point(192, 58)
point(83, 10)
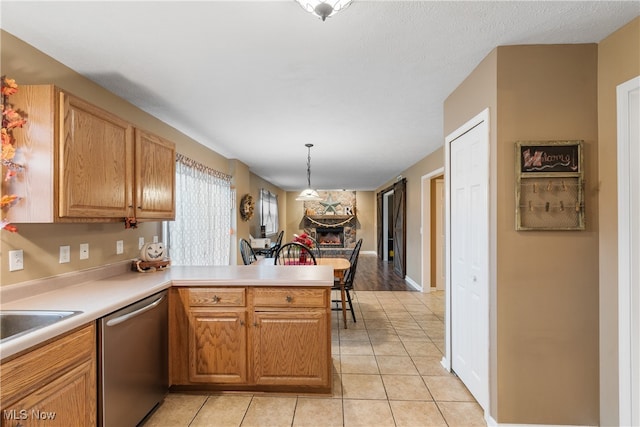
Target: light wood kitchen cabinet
point(290, 330)
point(217, 335)
point(155, 176)
point(83, 164)
point(285, 345)
point(53, 385)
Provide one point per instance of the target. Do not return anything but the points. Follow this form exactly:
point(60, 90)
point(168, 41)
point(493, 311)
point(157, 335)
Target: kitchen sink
point(14, 323)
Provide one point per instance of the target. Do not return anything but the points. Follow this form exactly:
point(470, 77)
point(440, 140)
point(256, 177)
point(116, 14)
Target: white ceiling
point(257, 80)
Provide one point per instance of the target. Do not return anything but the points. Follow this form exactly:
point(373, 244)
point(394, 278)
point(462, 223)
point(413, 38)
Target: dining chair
point(248, 255)
point(349, 276)
point(294, 253)
point(315, 247)
point(276, 246)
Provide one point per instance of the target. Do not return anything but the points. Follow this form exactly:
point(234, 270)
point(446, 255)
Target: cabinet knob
point(289, 298)
point(242, 323)
point(215, 298)
point(255, 324)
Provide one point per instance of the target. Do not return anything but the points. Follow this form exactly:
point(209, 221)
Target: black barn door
point(399, 227)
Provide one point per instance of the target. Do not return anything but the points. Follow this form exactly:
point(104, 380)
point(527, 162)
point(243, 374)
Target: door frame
point(628, 251)
point(425, 227)
point(386, 208)
point(447, 358)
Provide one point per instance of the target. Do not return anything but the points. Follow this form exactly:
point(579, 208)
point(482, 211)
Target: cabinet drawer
point(217, 297)
point(287, 297)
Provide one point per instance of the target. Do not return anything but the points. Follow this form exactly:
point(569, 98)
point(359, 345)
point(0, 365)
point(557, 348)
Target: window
point(268, 212)
point(200, 234)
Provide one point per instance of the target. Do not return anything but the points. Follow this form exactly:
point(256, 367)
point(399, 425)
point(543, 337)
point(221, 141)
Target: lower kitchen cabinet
point(250, 338)
point(218, 346)
point(53, 385)
point(289, 348)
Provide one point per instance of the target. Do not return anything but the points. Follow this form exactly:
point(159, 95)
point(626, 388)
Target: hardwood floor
point(373, 274)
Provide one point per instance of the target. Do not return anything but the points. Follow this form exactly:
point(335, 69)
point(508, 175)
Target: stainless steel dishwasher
point(133, 351)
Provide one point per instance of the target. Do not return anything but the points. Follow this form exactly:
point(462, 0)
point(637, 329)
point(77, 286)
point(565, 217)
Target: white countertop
point(97, 298)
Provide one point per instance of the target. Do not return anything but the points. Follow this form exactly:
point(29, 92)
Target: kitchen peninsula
point(256, 328)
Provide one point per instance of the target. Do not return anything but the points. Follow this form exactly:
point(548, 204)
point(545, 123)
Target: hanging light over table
point(309, 194)
point(324, 9)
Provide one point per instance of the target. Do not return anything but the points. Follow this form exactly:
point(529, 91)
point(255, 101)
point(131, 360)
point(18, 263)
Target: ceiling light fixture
point(323, 8)
point(309, 194)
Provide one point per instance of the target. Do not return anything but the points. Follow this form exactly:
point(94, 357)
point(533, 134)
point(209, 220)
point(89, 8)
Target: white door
point(439, 245)
point(468, 232)
point(629, 251)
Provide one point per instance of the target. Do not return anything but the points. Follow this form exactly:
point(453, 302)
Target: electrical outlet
point(16, 260)
point(140, 242)
point(84, 251)
point(65, 254)
point(119, 247)
point(155, 239)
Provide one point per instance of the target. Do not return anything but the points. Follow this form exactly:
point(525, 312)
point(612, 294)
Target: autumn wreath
point(246, 207)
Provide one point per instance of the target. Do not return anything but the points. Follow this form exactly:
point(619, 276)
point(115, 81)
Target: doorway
point(432, 250)
point(387, 226)
point(467, 263)
point(628, 99)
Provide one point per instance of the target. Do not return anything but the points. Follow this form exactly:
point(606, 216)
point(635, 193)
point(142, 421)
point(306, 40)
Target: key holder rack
point(550, 185)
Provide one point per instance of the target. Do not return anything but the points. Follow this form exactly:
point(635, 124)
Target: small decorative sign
point(550, 158)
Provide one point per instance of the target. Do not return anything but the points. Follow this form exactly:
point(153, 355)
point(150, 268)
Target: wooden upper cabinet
point(155, 172)
point(83, 164)
point(95, 167)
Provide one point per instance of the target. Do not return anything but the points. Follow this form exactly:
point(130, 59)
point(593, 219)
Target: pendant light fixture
point(309, 194)
point(323, 8)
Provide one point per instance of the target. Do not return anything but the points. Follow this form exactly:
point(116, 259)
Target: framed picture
point(549, 185)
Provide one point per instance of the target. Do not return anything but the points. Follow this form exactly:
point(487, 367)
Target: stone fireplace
point(332, 221)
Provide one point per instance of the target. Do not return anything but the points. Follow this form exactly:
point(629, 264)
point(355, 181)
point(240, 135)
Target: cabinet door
point(155, 166)
point(95, 168)
point(218, 346)
point(291, 348)
point(65, 401)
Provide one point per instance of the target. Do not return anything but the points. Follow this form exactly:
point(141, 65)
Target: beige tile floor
point(387, 372)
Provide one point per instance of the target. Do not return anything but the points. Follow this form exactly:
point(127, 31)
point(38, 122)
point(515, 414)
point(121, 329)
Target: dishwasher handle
point(125, 317)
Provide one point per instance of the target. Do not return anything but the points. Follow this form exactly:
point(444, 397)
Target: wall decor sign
point(550, 185)
point(549, 158)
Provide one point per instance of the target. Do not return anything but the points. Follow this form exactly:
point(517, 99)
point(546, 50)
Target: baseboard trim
point(493, 423)
point(412, 283)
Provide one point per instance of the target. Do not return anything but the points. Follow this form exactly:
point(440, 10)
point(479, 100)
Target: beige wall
point(365, 211)
point(618, 61)
point(40, 242)
point(547, 281)
point(476, 93)
point(544, 287)
point(414, 174)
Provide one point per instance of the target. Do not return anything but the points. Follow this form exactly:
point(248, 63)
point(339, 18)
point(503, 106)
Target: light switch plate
point(84, 251)
point(140, 242)
point(16, 260)
point(119, 247)
point(65, 254)
point(155, 239)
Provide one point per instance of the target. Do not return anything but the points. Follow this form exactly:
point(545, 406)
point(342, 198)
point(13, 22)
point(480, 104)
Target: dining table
point(264, 251)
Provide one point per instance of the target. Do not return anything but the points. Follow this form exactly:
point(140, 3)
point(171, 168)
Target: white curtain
point(269, 211)
point(204, 201)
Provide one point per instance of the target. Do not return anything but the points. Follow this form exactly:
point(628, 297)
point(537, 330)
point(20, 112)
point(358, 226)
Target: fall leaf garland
point(11, 119)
